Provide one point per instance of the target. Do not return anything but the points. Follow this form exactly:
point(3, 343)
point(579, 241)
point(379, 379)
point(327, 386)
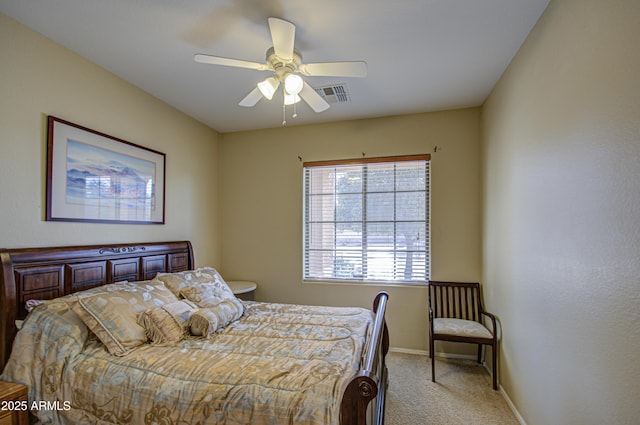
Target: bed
point(270, 364)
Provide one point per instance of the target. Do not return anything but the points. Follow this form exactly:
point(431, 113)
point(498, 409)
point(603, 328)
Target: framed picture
point(99, 178)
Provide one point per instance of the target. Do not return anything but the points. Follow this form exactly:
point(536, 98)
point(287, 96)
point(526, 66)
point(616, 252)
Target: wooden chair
point(456, 314)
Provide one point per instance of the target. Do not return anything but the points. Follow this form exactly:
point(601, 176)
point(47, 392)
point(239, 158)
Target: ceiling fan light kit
point(268, 87)
point(285, 61)
point(293, 84)
point(291, 99)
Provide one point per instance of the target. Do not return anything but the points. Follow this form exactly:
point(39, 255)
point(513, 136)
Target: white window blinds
point(367, 220)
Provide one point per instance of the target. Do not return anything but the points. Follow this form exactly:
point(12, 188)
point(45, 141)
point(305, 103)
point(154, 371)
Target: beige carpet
point(462, 393)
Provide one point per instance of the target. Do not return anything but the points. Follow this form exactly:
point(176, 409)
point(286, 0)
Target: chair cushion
point(460, 327)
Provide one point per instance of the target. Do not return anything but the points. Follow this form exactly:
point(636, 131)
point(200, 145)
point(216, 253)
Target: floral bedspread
point(278, 364)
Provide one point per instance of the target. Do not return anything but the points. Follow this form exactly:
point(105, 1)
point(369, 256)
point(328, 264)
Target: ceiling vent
point(336, 93)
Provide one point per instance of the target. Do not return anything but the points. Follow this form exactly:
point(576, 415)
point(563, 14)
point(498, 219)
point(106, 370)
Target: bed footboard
point(370, 383)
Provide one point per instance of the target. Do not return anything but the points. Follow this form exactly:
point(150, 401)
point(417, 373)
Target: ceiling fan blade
point(238, 63)
point(314, 100)
point(283, 35)
point(251, 99)
point(334, 69)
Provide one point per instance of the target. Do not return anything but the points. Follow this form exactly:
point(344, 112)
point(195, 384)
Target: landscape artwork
point(100, 177)
point(95, 177)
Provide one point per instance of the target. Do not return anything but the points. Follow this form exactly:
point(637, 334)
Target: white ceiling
point(422, 55)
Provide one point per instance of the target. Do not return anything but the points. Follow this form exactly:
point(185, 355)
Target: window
point(367, 220)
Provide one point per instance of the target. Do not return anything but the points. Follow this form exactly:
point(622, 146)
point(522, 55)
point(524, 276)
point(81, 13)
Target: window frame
point(306, 222)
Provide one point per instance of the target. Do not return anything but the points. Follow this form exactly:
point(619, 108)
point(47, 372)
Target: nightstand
point(14, 409)
point(242, 289)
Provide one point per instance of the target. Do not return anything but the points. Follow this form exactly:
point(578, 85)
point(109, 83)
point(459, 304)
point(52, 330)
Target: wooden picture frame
point(94, 177)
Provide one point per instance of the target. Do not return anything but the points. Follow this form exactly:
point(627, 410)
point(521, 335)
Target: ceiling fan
point(286, 63)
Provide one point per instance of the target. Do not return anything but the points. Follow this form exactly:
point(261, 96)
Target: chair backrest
point(455, 300)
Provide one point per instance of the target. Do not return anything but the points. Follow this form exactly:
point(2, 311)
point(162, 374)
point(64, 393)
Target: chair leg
point(479, 353)
point(430, 344)
point(433, 360)
point(433, 368)
point(495, 366)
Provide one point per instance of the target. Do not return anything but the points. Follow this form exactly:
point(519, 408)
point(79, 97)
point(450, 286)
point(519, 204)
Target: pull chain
point(284, 109)
point(284, 113)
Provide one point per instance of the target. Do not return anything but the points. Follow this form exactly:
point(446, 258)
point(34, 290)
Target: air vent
point(336, 93)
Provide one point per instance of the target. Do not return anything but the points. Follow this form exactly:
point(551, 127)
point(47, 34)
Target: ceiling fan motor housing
point(283, 67)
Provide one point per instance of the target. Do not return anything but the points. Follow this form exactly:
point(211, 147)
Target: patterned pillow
point(220, 302)
point(176, 281)
point(167, 325)
point(203, 323)
point(207, 294)
point(208, 320)
point(112, 315)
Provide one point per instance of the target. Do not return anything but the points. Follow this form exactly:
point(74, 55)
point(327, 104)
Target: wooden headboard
point(47, 273)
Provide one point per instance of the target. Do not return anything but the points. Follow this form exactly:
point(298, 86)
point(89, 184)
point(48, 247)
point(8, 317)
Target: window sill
point(388, 284)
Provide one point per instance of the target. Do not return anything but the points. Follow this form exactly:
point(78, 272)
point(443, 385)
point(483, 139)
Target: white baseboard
point(408, 351)
point(464, 357)
point(512, 406)
point(456, 356)
point(507, 399)
point(426, 353)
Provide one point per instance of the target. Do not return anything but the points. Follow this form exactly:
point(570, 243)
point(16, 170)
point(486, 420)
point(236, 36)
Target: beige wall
point(262, 207)
point(261, 178)
point(561, 241)
point(40, 78)
point(555, 194)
